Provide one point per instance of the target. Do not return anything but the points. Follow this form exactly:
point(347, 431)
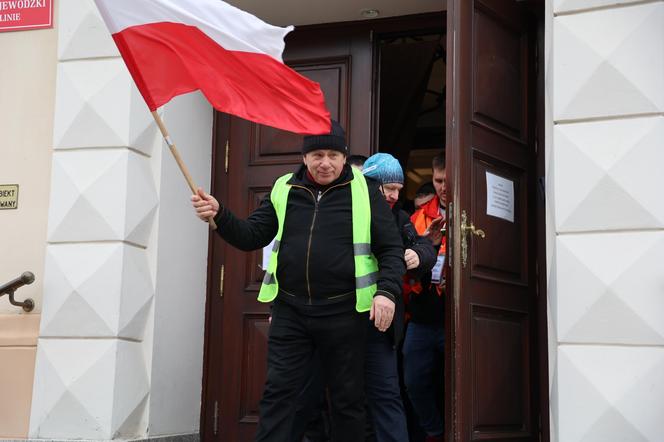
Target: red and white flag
point(172, 47)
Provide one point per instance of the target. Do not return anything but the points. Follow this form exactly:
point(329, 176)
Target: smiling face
point(325, 165)
point(440, 185)
point(391, 192)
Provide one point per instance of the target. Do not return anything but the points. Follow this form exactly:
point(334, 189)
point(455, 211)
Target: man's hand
point(382, 312)
point(434, 232)
point(206, 206)
point(412, 259)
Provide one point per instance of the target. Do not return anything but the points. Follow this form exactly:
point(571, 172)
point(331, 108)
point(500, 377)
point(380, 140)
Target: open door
point(491, 362)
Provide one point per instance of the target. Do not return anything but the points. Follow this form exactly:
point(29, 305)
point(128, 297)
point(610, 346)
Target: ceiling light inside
point(369, 13)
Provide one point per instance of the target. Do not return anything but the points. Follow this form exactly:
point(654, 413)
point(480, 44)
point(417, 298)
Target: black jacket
point(316, 261)
point(425, 251)
point(412, 240)
point(427, 307)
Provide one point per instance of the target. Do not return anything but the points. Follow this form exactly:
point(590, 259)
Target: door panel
point(273, 146)
point(501, 258)
point(498, 66)
point(499, 339)
point(491, 151)
point(255, 330)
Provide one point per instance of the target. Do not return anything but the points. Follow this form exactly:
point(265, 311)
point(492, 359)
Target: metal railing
point(9, 288)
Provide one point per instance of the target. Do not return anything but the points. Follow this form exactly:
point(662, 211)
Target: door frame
point(212, 358)
point(540, 225)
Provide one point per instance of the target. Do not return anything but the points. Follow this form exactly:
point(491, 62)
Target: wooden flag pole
point(178, 159)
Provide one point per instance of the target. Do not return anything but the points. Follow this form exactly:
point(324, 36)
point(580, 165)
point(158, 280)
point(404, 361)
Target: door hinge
point(537, 291)
point(226, 157)
point(539, 426)
point(537, 59)
point(215, 419)
point(221, 281)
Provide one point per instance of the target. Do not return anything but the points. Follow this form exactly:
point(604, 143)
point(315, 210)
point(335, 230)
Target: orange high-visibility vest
point(422, 219)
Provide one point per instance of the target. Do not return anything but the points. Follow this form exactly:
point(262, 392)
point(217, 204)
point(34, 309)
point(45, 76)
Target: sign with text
point(499, 197)
point(23, 15)
point(8, 196)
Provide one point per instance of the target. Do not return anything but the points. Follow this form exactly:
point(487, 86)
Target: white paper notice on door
point(499, 197)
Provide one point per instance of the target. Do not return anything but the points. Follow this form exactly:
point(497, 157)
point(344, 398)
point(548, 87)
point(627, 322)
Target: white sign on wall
point(499, 197)
point(8, 196)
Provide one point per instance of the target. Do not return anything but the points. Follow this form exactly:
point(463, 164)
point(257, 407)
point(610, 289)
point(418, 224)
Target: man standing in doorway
point(336, 263)
point(423, 348)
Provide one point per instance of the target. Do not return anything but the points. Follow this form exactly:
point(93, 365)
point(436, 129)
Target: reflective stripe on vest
point(366, 265)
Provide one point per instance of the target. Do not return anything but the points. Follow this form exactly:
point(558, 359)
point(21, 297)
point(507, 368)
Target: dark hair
point(426, 189)
point(356, 160)
point(438, 162)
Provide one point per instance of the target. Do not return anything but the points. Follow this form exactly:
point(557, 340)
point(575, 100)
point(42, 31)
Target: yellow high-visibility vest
point(366, 265)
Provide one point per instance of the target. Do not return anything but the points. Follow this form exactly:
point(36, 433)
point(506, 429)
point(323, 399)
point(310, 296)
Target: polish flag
point(173, 47)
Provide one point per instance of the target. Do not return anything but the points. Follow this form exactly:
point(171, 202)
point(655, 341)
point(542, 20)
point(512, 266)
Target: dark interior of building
point(412, 95)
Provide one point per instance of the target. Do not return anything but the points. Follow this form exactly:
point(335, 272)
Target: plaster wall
point(27, 97)
point(177, 359)
point(605, 109)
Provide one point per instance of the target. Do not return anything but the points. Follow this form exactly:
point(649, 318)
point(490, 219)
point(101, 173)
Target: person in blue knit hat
point(385, 169)
point(381, 375)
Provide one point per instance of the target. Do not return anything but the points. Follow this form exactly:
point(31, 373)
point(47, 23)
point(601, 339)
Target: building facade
point(114, 348)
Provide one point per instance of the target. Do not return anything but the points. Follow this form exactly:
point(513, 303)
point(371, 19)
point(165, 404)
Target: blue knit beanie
point(384, 168)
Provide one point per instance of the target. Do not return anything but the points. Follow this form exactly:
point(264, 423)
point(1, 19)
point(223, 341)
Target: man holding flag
point(337, 256)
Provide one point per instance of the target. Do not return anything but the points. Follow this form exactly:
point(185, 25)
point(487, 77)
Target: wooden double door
point(492, 369)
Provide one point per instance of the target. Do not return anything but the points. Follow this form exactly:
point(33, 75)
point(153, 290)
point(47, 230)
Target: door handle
point(473, 230)
point(465, 228)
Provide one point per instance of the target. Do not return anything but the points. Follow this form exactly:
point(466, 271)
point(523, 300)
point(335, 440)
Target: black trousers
point(386, 418)
point(340, 342)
